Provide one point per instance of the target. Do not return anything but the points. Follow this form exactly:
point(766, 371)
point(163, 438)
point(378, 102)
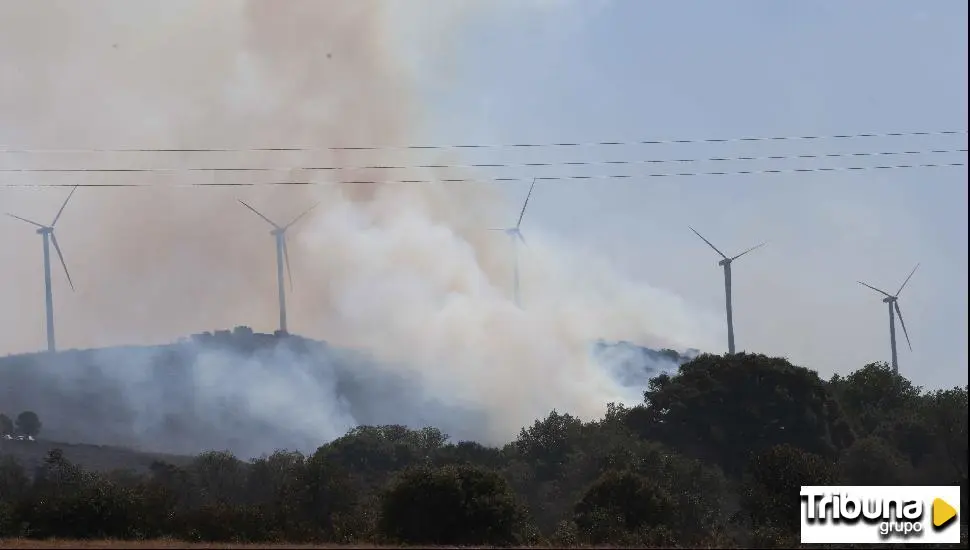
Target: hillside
point(98, 458)
point(245, 392)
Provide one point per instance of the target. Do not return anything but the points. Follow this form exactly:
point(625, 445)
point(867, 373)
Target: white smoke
point(406, 272)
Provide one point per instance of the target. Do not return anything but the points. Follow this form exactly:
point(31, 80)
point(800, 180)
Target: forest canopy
point(714, 456)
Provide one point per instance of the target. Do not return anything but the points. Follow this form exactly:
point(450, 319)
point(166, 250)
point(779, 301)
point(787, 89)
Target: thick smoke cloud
point(406, 272)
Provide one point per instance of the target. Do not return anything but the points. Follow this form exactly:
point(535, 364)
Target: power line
point(479, 165)
point(524, 179)
point(27, 150)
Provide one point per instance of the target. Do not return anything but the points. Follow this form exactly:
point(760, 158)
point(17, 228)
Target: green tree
point(328, 499)
point(456, 504)
point(623, 505)
point(874, 395)
point(546, 445)
point(377, 452)
point(944, 413)
point(28, 423)
point(218, 477)
point(6, 425)
point(772, 482)
point(724, 408)
point(872, 461)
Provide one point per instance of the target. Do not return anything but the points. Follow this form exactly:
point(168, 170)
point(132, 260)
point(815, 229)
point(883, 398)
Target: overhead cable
point(485, 180)
point(478, 165)
point(26, 150)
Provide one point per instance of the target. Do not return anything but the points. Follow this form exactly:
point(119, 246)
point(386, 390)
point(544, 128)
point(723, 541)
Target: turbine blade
point(883, 292)
point(708, 242)
point(522, 214)
point(58, 216)
point(61, 256)
point(899, 313)
point(748, 250)
point(286, 256)
point(269, 221)
point(907, 279)
point(521, 238)
point(296, 219)
point(26, 220)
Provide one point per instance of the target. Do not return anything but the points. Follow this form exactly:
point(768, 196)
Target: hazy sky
point(628, 70)
point(572, 70)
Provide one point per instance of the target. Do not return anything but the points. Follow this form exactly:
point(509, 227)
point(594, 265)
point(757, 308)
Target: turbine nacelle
point(726, 260)
point(514, 232)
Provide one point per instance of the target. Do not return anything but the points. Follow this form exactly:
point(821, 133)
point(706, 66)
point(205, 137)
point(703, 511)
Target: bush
point(620, 505)
point(451, 505)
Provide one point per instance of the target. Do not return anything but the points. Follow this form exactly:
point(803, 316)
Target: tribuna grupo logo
point(885, 514)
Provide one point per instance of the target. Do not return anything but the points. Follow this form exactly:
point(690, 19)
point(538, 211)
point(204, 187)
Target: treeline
point(27, 424)
point(714, 457)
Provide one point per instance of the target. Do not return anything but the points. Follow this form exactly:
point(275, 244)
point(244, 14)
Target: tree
point(6, 425)
point(547, 443)
point(28, 423)
point(218, 476)
point(456, 504)
point(723, 409)
point(378, 451)
point(772, 481)
point(622, 504)
point(871, 461)
point(13, 479)
point(874, 395)
point(944, 413)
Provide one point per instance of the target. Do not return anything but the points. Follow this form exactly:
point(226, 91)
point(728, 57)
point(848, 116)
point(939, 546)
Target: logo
point(884, 514)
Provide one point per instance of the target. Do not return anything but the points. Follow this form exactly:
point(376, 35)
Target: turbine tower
point(892, 301)
point(516, 235)
point(726, 263)
point(47, 233)
point(279, 234)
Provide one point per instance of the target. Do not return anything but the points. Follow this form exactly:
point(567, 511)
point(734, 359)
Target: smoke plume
point(405, 271)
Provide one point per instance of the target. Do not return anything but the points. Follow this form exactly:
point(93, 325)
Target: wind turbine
point(47, 233)
point(279, 233)
point(892, 300)
point(516, 235)
point(726, 263)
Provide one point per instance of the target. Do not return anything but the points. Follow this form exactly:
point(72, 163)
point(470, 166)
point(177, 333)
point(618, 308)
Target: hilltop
point(246, 392)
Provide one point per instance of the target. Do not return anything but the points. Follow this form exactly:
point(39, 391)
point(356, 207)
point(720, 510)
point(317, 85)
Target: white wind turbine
point(516, 235)
point(279, 233)
point(892, 300)
point(726, 263)
point(47, 233)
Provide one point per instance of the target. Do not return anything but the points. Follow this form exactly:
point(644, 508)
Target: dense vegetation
point(713, 457)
